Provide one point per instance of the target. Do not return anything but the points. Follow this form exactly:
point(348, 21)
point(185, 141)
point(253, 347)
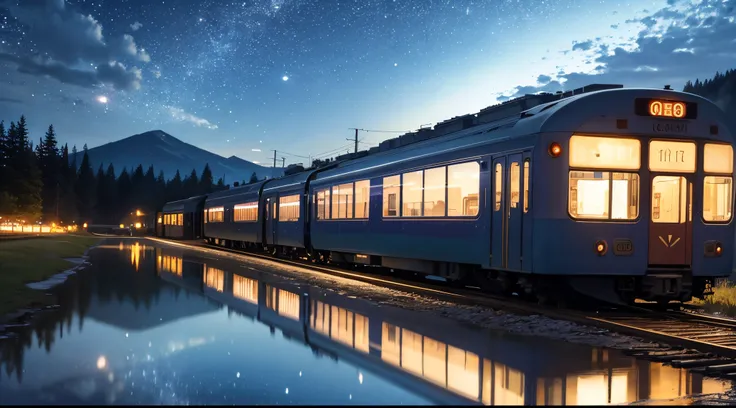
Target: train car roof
point(289, 182)
point(566, 114)
point(244, 189)
point(188, 204)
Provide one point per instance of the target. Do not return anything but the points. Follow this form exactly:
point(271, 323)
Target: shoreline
point(24, 315)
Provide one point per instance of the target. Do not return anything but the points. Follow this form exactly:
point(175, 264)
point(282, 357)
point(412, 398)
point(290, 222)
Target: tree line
point(42, 183)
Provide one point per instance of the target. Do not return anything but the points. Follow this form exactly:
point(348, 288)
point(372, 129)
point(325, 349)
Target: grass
point(35, 260)
point(722, 301)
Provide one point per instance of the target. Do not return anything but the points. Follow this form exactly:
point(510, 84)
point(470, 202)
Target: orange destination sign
point(667, 109)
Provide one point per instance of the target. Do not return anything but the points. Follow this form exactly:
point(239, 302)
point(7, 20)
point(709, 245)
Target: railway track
point(701, 343)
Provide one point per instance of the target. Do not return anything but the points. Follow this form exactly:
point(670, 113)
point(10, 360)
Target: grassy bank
point(34, 260)
point(723, 300)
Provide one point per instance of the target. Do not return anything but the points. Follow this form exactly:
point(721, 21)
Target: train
point(610, 192)
point(445, 362)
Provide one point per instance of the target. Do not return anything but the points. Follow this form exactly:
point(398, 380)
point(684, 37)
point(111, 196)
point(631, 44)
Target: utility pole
point(274, 159)
point(283, 162)
point(356, 139)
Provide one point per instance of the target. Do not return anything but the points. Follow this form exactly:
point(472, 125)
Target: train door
point(269, 233)
point(670, 224)
point(513, 212)
point(498, 207)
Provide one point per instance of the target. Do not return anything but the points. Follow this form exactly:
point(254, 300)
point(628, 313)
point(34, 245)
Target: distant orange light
point(122, 226)
point(137, 225)
point(667, 109)
point(555, 149)
point(85, 225)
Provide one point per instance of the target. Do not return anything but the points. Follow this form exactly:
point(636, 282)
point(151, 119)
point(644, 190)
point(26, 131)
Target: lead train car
point(182, 219)
point(618, 193)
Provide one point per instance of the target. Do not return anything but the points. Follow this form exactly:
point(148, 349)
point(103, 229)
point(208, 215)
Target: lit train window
point(323, 204)
point(718, 158)
point(515, 179)
point(605, 153)
point(289, 208)
point(342, 201)
point(435, 184)
point(179, 219)
point(391, 191)
point(463, 189)
point(411, 194)
point(245, 212)
point(362, 198)
point(499, 186)
point(717, 198)
point(527, 165)
point(603, 195)
point(216, 214)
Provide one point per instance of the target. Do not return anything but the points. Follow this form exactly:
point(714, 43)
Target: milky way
point(238, 77)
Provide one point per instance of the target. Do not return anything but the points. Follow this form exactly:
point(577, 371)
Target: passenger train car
point(618, 193)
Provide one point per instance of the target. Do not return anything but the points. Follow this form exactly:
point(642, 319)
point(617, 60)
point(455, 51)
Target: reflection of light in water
point(287, 390)
point(101, 363)
point(245, 289)
point(214, 278)
point(282, 301)
point(360, 378)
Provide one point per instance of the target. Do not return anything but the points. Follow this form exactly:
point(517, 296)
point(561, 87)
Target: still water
point(152, 324)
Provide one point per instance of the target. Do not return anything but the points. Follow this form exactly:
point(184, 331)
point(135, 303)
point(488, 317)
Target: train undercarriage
point(560, 290)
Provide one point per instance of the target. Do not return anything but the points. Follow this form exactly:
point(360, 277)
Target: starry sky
point(245, 77)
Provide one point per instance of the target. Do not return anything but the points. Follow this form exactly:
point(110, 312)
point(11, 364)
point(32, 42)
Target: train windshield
point(595, 194)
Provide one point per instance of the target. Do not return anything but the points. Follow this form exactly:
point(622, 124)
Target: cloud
point(183, 116)
point(679, 42)
point(136, 26)
point(543, 79)
point(112, 73)
point(65, 40)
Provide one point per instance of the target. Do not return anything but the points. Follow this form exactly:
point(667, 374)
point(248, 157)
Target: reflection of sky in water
point(211, 358)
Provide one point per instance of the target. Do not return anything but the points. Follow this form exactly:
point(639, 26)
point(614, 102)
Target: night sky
point(294, 75)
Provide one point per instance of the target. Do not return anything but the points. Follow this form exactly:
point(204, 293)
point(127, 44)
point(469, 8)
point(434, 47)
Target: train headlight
point(713, 248)
point(555, 149)
point(601, 247)
point(719, 249)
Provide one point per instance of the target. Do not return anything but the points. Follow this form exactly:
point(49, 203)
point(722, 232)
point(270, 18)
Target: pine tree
point(50, 164)
point(253, 178)
point(7, 200)
point(160, 190)
point(191, 185)
point(124, 190)
point(206, 182)
point(85, 187)
point(174, 188)
point(68, 207)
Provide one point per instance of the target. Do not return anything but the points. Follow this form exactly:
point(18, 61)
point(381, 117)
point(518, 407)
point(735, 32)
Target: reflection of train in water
point(439, 359)
point(618, 194)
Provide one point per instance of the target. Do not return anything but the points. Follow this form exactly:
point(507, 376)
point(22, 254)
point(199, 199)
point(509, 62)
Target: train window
point(391, 191)
point(463, 188)
point(323, 204)
point(342, 201)
point(246, 212)
point(603, 195)
point(180, 219)
point(205, 215)
point(669, 196)
point(434, 192)
point(672, 157)
point(718, 158)
point(527, 165)
point(515, 180)
point(362, 198)
point(411, 194)
point(717, 198)
point(605, 153)
point(499, 186)
point(216, 214)
point(289, 208)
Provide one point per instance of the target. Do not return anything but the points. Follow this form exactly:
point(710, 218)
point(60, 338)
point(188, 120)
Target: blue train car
point(595, 190)
point(182, 219)
point(622, 193)
point(284, 207)
point(232, 217)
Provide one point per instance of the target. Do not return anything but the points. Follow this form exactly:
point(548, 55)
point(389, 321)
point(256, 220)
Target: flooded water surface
point(152, 324)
